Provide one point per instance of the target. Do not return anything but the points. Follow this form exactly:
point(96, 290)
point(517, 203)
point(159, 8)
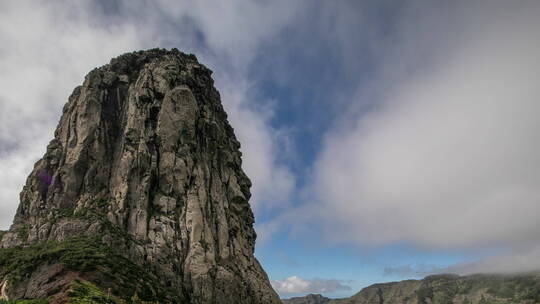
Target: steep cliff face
point(145, 168)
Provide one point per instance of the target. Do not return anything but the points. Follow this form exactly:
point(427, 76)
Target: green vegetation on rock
point(85, 255)
point(22, 231)
point(87, 293)
point(96, 211)
point(25, 302)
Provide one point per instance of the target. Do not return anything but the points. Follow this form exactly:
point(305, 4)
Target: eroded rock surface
point(144, 159)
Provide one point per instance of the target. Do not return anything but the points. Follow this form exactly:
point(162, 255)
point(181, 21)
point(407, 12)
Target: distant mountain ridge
point(309, 299)
point(444, 289)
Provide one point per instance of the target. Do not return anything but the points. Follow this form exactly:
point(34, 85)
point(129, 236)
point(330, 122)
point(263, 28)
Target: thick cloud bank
point(449, 158)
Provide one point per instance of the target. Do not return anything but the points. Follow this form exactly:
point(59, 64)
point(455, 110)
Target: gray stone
point(146, 142)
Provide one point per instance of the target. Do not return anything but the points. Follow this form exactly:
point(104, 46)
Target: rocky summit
point(140, 196)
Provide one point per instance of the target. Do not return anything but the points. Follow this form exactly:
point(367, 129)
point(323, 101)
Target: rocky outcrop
point(447, 289)
point(145, 166)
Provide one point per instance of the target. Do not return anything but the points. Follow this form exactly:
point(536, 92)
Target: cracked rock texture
point(144, 159)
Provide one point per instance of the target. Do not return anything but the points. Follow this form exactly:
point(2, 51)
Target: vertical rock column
point(146, 141)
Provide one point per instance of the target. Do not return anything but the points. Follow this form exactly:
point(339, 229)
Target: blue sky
point(385, 140)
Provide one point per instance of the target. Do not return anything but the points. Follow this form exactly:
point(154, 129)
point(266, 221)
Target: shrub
point(87, 293)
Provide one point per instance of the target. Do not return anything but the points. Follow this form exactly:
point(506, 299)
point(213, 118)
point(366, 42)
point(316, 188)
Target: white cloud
point(411, 271)
point(449, 157)
point(524, 259)
point(516, 260)
point(48, 47)
point(262, 145)
point(237, 27)
point(297, 285)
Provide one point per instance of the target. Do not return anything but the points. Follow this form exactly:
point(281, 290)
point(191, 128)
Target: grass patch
point(86, 293)
point(25, 302)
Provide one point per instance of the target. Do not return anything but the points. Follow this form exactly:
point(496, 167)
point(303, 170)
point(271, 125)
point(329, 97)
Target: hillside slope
point(445, 289)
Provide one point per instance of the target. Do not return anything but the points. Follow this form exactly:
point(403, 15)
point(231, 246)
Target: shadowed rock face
point(143, 162)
